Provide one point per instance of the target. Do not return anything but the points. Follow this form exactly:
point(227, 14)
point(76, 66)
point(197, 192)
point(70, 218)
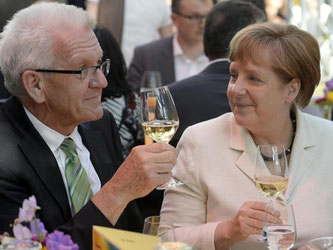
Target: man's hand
point(145, 168)
point(249, 220)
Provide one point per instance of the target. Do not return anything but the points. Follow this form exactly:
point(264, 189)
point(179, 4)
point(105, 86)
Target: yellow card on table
point(105, 238)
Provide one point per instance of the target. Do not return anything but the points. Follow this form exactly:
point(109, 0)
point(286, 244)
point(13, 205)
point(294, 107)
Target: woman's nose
point(239, 87)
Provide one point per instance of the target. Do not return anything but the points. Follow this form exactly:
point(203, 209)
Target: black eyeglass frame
point(75, 72)
point(194, 18)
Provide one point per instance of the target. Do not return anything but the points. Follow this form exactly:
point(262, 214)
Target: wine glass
point(323, 243)
point(150, 79)
point(271, 172)
point(282, 235)
point(172, 243)
point(151, 225)
point(160, 120)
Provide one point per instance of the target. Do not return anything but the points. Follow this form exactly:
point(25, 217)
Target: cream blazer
point(216, 158)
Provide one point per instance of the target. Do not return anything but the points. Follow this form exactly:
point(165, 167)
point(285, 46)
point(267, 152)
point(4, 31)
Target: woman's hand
point(249, 220)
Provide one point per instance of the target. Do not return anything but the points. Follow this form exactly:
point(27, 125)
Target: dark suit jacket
point(28, 167)
point(156, 56)
point(201, 97)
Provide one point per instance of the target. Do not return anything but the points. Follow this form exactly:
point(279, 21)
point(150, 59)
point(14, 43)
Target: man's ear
point(293, 88)
point(34, 85)
point(174, 18)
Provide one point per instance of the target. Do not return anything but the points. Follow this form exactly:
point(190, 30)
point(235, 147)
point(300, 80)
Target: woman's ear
point(293, 88)
point(33, 85)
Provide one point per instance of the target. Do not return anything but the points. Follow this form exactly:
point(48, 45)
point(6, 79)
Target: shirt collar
point(219, 60)
point(52, 138)
point(177, 50)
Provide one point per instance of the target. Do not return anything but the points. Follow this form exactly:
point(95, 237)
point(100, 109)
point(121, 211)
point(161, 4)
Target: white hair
point(27, 41)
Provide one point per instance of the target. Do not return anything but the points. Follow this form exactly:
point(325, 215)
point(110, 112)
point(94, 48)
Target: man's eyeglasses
point(86, 74)
point(194, 19)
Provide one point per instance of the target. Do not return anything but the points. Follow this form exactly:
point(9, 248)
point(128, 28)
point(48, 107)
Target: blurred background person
point(209, 87)
point(178, 56)
point(133, 22)
point(275, 10)
point(117, 97)
point(274, 68)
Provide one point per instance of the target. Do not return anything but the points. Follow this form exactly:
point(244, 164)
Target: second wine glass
point(282, 235)
point(160, 120)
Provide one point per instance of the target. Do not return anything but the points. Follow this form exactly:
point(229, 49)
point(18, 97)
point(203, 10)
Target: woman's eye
point(255, 79)
point(233, 76)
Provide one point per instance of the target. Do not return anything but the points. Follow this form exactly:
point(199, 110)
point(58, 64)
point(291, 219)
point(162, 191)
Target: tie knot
point(69, 147)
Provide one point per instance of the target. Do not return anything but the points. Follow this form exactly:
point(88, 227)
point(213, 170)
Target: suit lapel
point(167, 63)
point(38, 154)
point(99, 154)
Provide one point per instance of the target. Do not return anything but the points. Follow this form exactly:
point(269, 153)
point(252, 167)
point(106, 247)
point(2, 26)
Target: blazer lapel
point(301, 158)
point(241, 140)
point(38, 154)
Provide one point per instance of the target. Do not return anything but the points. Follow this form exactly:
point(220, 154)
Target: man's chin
point(94, 115)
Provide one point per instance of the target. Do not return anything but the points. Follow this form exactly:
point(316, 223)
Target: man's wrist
point(111, 201)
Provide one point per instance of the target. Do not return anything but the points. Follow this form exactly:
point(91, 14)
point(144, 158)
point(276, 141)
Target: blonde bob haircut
point(293, 53)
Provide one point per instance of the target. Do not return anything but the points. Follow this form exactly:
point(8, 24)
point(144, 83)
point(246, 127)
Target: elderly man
point(178, 56)
point(57, 143)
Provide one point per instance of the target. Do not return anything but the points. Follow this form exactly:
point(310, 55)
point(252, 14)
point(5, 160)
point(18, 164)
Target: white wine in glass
point(271, 171)
point(160, 120)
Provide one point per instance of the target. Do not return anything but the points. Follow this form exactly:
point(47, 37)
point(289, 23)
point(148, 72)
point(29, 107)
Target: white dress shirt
point(54, 139)
point(185, 67)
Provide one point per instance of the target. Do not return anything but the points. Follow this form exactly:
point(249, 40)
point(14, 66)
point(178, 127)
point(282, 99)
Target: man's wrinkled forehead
point(76, 45)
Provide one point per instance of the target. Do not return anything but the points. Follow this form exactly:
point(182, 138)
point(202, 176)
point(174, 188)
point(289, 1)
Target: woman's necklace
point(288, 151)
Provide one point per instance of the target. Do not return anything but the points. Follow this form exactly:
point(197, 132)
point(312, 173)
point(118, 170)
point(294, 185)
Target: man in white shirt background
point(178, 56)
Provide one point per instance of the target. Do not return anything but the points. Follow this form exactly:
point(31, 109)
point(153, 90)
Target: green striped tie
point(76, 176)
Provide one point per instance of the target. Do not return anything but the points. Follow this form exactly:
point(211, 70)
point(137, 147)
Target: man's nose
point(100, 80)
point(202, 22)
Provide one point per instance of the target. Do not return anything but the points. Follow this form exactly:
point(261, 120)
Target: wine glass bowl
point(159, 114)
point(150, 79)
point(271, 172)
point(323, 243)
point(159, 120)
point(281, 235)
